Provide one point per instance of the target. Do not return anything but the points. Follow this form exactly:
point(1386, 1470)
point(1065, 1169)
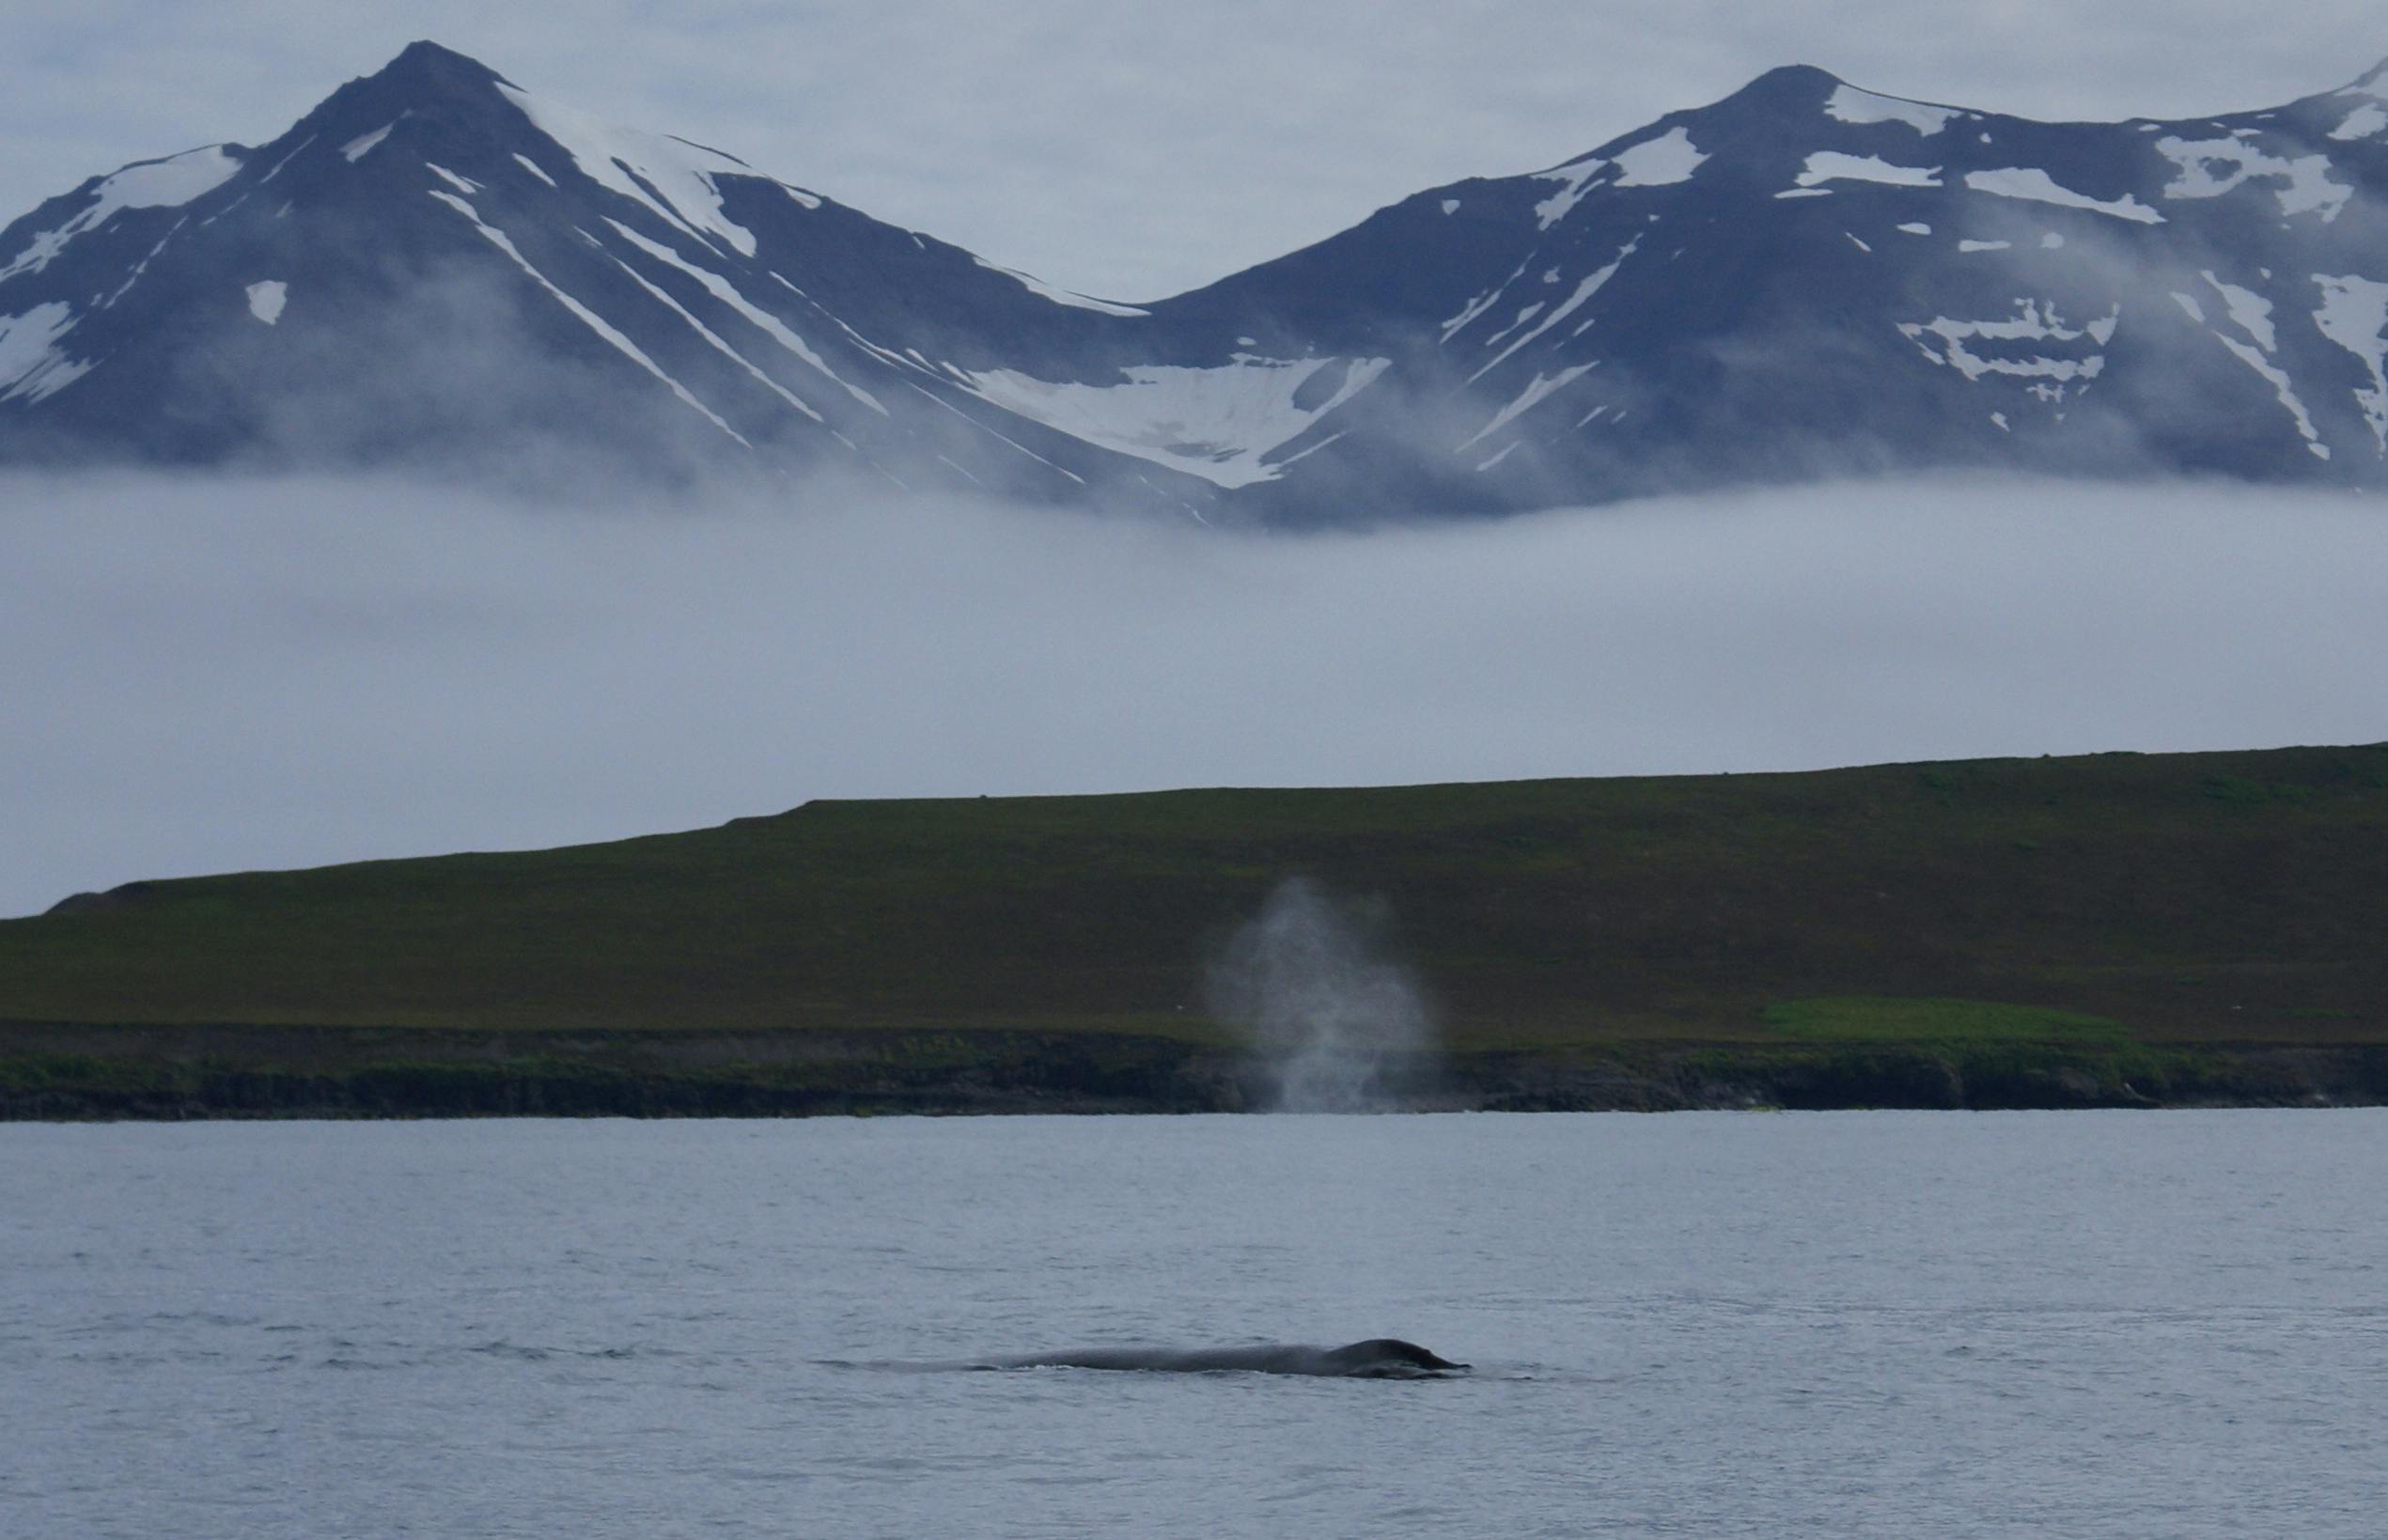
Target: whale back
point(1379, 1357)
point(1390, 1358)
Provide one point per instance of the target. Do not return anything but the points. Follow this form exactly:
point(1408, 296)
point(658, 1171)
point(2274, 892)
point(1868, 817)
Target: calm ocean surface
point(1896, 1324)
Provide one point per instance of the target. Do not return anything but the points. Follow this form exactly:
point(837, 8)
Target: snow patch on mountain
point(2034, 320)
point(267, 298)
point(754, 315)
point(2249, 310)
point(714, 340)
point(1216, 422)
point(1537, 391)
point(31, 365)
point(586, 317)
point(2284, 389)
point(683, 175)
point(2036, 186)
point(2252, 313)
point(363, 144)
point(1833, 165)
point(1657, 162)
point(168, 183)
point(1578, 175)
point(142, 266)
point(2304, 181)
point(2353, 314)
point(285, 159)
point(1060, 296)
point(1453, 325)
point(1584, 290)
point(2363, 122)
point(1849, 104)
point(1525, 313)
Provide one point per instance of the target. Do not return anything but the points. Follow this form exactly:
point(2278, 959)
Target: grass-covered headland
point(2112, 930)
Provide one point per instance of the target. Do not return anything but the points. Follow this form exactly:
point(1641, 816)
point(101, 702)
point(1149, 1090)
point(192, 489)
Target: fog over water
point(212, 673)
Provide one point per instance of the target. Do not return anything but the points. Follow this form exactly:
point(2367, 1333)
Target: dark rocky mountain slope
point(439, 271)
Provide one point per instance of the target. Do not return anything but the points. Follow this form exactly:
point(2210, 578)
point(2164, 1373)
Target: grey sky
point(207, 675)
point(1134, 148)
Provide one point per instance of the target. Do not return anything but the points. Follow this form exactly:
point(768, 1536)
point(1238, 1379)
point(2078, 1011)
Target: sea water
point(1877, 1323)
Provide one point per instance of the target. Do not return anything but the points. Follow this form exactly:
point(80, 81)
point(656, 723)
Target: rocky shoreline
point(79, 1073)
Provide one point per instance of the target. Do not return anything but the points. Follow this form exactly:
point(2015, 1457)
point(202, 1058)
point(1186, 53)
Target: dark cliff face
point(438, 269)
point(66, 1073)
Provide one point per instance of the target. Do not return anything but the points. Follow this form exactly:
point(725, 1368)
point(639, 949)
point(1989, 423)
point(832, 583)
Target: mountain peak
point(421, 73)
point(424, 82)
point(1800, 86)
point(1783, 76)
point(424, 59)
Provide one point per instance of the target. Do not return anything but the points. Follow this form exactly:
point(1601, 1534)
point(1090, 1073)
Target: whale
point(1379, 1357)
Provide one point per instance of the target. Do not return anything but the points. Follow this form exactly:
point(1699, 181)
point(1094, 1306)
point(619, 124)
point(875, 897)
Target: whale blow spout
point(1379, 1357)
point(1333, 1018)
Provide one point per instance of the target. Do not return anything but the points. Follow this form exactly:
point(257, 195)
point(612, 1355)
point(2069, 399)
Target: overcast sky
point(1133, 148)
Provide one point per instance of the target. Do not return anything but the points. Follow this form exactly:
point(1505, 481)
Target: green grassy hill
point(2108, 929)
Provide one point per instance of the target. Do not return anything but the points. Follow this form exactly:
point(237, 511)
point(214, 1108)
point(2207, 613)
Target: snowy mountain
point(439, 269)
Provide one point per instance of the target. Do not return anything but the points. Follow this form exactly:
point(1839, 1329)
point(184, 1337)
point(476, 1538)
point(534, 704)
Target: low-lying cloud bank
point(210, 674)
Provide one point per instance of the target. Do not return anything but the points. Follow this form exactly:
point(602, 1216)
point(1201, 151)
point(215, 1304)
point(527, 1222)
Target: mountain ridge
point(437, 270)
